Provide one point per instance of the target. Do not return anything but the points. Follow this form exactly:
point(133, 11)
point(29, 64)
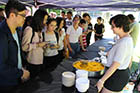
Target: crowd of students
point(36, 43)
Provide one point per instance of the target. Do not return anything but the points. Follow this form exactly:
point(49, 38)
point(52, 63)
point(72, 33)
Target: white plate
point(111, 43)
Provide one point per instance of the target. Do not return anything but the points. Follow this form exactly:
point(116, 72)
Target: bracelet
point(101, 81)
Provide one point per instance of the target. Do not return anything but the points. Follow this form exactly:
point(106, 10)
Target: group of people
point(43, 42)
point(36, 42)
point(119, 59)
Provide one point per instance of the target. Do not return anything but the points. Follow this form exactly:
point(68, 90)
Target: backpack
point(56, 34)
point(24, 54)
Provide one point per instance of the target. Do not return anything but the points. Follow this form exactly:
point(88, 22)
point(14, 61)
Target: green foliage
point(57, 11)
point(2, 6)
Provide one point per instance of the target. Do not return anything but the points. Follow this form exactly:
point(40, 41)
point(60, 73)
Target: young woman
point(72, 35)
point(27, 22)
point(119, 58)
point(32, 42)
point(99, 29)
point(62, 38)
point(51, 51)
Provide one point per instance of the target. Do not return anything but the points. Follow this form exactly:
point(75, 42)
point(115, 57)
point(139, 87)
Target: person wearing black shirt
point(99, 29)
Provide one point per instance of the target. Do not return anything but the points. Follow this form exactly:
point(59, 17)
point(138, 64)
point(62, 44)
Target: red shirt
point(84, 39)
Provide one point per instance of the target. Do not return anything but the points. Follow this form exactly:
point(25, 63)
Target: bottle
point(67, 54)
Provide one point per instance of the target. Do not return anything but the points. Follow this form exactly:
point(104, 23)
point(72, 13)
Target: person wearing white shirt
point(51, 51)
point(117, 75)
point(69, 19)
point(62, 38)
point(72, 35)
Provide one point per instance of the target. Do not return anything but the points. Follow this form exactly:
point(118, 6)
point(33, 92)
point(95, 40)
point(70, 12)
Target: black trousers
point(51, 62)
point(98, 37)
point(61, 55)
point(88, 38)
point(7, 89)
point(34, 69)
point(11, 88)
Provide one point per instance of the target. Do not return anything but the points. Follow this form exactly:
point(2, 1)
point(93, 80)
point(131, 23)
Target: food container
point(68, 78)
point(81, 74)
point(85, 65)
point(96, 74)
point(82, 84)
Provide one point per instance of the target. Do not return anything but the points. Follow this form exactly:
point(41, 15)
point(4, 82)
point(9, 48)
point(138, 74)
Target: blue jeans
point(75, 49)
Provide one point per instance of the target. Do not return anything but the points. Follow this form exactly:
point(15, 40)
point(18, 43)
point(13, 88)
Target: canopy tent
point(93, 3)
point(26, 2)
point(83, 4)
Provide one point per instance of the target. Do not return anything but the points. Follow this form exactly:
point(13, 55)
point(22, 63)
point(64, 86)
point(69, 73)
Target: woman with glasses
point(33, 44)
point(72, 35)
point(119, 58)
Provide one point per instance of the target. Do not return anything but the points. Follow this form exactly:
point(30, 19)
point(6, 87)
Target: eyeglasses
point(23, 15)
point(113, 26)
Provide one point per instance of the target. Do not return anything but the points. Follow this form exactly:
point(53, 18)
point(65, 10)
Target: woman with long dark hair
point(32, 42)
point(27, 22)
point(62, 38)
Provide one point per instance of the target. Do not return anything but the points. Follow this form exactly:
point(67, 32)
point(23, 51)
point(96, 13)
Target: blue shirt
point(15, 36)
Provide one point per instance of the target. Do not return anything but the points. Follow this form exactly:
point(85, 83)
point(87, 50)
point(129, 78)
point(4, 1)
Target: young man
point(83, 41)
point(87, 17)
point(134, 31)
point(69, 19)
point(63, 14)
point(11, 71)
